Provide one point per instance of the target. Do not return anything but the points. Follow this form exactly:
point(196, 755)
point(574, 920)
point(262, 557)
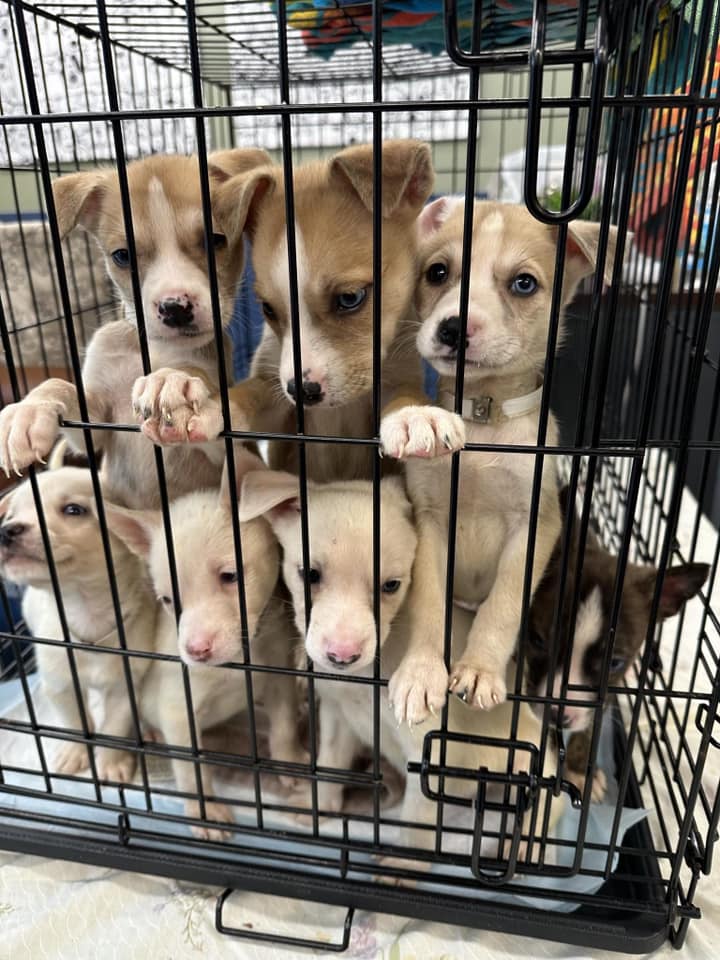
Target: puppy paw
point(479, 688)
point(28, 431)
point(599, 784)
point(417, 689)
point(213, 811)
point(71, 758)
point(421, 432)
point(175, 407)
point(116, 766)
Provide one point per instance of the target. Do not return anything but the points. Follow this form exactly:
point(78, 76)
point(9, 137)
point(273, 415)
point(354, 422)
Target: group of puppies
point(205, 616)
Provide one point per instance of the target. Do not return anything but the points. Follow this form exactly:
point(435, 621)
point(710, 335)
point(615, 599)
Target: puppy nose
point(9, 532)
point(342, 659)
point(449, 332)
point(176, 311)
point(199, 648)
point(565, 718)
point(312, 392)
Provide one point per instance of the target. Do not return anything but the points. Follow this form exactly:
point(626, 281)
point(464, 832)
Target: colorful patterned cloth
point(328, 25)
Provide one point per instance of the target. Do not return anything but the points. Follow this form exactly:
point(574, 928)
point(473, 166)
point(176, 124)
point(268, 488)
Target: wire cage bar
point(598, 111)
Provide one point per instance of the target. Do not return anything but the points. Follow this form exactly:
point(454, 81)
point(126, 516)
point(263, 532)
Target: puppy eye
point(524, 285)
point(617, 664)
point(121, 258)
point(166, 601)
point(267, 310)
point(313, 575)
point(347, 302)
point(229, 576)
point(536, 640)
point(218, 240)
point(437, 273)
point(391, 586)
point(74, 510)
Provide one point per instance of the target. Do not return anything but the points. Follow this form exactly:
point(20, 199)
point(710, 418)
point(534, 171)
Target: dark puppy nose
point(175, 312)
point(9, 531)
point(448, 332)
point(342, 663)
point(312, 391)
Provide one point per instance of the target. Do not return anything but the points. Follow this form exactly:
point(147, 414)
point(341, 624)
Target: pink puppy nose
point(200, 647)
point(343, 652)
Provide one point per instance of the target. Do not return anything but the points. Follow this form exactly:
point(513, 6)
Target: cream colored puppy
point(77, 551)
point(172, 275)
point(342, 637)
point(209, 631)
point(511, 280)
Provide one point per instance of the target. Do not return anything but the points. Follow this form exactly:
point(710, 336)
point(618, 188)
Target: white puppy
point(77, 551)
point(342, 635)
point(210, 628)
point(511, 282)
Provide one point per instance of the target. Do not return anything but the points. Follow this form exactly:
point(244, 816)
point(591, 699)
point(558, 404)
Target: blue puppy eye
point(121, 258)
point(524, 285)
point(74, 510)
point(346, 302)
point(617, 663)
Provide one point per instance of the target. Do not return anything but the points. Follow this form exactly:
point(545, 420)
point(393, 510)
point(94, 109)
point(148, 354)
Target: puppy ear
point(244, 461)
point(680, 584)
point(268, 493)
point(582, 251)
point(407, 175)
point(136, 528)
point(224, 164)
point(395, 487)
point(236, 202)
point(78, 200)
point(436, 213)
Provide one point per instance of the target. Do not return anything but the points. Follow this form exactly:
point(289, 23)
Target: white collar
point(484, 409)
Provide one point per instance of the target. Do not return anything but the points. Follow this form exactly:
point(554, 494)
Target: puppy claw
point(421, 432)
point(39, 458)
point(167, 416)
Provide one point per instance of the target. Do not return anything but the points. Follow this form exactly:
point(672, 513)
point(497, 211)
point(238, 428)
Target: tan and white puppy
point(511, 280)
point(209, 630)
point(334, 258)
point(77, 552)
point(342, 636)
point(176, 304)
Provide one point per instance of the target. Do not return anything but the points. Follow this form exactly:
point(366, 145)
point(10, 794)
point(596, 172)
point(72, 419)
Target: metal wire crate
point(632, 92)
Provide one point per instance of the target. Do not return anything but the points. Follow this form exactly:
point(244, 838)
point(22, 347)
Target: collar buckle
point(481, 409)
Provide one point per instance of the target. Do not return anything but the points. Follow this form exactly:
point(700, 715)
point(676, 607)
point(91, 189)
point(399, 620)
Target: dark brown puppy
point(591, 634)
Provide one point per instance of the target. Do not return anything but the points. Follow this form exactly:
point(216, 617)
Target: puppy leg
point(418, 687)
point(116, 764)
point(339, 745)
point(281, 703)
point(578, 755)
point(29, 429)
point(478, 677)
point(70, 757)
point(175, 731)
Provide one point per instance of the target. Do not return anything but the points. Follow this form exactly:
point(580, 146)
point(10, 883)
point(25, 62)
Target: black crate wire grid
point(86, 84)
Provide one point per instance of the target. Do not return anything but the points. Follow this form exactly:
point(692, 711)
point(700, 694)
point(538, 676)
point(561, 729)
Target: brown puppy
point(590, 635)
point(172, 266)
point(334, 256)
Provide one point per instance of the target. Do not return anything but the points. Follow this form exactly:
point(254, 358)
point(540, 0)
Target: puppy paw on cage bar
point(380, 345)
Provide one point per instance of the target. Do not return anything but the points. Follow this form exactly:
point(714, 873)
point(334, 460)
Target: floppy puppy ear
point(224, 164)
point(136, 528)
point(78, 200)
point(269, 493)
point(582, 250)
point(407, 175)
point(244, 462)
point(236, 202)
